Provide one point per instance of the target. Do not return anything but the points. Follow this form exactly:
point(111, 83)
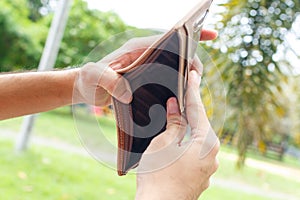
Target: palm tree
point(250, 55)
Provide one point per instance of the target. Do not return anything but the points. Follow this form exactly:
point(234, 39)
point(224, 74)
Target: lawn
point(47, 173)
point(44, 173)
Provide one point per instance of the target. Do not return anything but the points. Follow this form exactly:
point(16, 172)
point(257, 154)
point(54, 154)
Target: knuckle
point(159, 141)
point(215, 149)
point(196, 105)
point(206, 185)
point(88, 72)
point(217, 145)
point(117, 87)
point(90, 65)
point(176, 120)
point(111, 86)
point(215, 166)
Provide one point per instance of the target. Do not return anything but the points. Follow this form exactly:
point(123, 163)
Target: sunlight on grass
point(219, 193)
point(45, 173)
point(51, 174)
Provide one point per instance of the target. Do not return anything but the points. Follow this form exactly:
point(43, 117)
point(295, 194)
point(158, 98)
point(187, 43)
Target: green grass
point(219, 193)
point(254, 154)
point(257, 177)
point(44, 173)
point(56, 124)
point(59, 124)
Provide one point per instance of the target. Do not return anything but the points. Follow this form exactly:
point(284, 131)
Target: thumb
point(173, 114)
point(176, 124)
point(175, 131)
point(115, 85)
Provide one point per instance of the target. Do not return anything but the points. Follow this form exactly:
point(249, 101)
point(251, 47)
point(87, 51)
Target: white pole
point(47, 62)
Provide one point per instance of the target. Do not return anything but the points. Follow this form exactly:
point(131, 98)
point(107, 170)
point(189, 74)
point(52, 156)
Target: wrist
point(163, 193)
point(76, 96)
point(149, 187)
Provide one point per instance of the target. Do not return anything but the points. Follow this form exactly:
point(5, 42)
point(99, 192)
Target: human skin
point(94, 83)
point(187, 176)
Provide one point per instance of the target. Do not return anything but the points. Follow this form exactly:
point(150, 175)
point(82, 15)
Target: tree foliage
point(248, 58)
point(20, 38)
point(85, 29)
point(39, 8)
point(24, 31)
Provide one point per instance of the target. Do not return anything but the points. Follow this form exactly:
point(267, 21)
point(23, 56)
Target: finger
point(135, 44)
point(176, 125)
point(115, 85)
point(134, 48)
point(126, 59)
point(197, 65)
point(141, 42)
point(175, 130)
point(163, 149)
point(145, 42)
point(209, 144)
point(208, 35)
point(202, 132)
point(196, 113)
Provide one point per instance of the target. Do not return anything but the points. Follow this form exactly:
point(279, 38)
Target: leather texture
point(153, 84)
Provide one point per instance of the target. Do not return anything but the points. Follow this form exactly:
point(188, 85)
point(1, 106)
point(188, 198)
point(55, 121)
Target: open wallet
point(159, 73)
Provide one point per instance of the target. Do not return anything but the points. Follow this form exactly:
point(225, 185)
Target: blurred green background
point(250, 89)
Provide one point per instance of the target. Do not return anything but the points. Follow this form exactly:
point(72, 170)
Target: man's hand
point(172, 168)
point(97, 82)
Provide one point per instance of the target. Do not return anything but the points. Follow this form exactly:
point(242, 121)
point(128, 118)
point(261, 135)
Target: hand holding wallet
point(159, 73)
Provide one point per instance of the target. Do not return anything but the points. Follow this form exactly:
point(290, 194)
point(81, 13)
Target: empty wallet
point(159, 73)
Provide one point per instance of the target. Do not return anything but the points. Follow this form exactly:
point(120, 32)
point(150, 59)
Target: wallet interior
point(153, 82)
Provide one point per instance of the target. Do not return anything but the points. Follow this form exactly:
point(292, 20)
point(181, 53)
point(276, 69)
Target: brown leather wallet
point(159, 73)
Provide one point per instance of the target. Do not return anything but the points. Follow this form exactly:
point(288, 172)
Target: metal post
point(47, 62)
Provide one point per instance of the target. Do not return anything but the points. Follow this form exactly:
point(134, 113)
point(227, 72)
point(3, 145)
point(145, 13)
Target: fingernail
point(126, 97)
point(115, 66)
point(172, 106)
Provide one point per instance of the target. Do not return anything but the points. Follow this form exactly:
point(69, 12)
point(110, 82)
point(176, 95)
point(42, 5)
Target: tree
point(248, 58)
point(86, 28)
point(20, 38)
point(39, 8)
point(23, 33)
